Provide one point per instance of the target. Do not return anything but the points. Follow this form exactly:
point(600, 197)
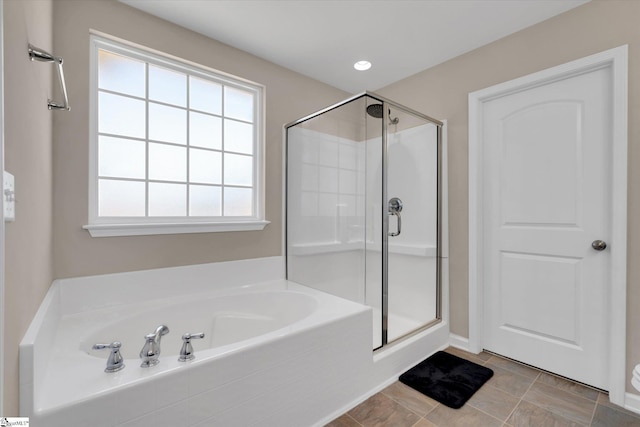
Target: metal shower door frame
point(385, 217)
point(384, 196)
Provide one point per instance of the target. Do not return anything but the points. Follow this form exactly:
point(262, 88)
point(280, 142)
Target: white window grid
point(190, 69)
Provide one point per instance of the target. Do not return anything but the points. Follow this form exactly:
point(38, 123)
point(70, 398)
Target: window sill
point(114, 230)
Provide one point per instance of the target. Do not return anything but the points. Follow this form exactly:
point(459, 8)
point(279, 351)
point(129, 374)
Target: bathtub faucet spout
point(151, 350)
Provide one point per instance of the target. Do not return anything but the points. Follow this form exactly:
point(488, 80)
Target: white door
point(547, 187)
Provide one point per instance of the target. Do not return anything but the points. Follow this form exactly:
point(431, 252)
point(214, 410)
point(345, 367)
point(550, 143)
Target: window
point(175, 147)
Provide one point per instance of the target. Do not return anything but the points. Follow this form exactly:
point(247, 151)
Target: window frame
point(146, 225)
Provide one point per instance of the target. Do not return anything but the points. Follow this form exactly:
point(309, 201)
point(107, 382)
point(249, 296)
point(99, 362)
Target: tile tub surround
point(308, 372)
point(520, 396)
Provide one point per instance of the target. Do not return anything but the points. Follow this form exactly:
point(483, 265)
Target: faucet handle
point(115, 362)
point(186, 352)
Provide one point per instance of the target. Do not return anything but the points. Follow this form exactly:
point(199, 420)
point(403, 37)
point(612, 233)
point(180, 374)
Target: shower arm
point(37, 54)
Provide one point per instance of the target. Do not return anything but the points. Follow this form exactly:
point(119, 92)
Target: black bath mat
point(447, 378)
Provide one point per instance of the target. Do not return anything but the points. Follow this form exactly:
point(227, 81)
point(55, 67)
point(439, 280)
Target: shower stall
point(363, 211)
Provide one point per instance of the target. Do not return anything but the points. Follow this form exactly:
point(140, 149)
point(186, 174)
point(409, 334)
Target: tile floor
point(516, 396)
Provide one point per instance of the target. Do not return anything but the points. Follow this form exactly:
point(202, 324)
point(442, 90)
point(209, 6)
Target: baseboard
point(632, 402)
point(459, 342)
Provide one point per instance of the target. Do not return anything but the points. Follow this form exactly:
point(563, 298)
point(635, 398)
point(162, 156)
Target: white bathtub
point(275, 353)
point(228, 319)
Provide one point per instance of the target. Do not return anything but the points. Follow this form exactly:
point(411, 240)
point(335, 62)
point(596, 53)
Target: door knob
point(599, 245)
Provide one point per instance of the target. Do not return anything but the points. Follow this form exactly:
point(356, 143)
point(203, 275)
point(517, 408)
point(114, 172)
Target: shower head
point(375, 111)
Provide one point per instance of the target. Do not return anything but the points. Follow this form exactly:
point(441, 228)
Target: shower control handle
point(395, 207)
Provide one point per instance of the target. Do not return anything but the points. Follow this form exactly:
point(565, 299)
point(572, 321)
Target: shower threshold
point(399, 326)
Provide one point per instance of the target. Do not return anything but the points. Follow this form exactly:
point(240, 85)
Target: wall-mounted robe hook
point(37, 54)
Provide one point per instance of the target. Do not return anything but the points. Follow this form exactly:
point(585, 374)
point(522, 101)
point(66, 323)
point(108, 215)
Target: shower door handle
point(395, 207)
point(397, 215)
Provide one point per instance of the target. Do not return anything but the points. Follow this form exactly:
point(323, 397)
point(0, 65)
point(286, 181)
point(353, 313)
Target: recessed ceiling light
point(362, 65)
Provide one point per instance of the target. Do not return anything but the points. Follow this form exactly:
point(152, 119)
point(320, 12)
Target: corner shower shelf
point(413, 249)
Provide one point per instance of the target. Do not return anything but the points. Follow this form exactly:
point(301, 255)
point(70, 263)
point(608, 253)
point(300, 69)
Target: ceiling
point(324, 38)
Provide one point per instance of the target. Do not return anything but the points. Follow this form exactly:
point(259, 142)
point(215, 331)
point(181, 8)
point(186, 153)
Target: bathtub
point(275, 353)
point(228, 320)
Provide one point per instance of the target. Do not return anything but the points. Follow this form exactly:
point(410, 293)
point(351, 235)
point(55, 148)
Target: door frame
point(2, 249)
point(616, 60)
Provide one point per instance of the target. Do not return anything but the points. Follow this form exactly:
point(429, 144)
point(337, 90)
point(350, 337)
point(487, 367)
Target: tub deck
point(313, 364)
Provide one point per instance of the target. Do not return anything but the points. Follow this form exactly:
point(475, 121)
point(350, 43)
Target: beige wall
point(28, 259)
point(288, 96)
point(442, 92)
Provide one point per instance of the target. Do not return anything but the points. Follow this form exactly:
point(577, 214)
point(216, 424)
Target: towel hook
point(37, 54)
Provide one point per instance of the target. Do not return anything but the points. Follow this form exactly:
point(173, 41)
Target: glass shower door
point(362, 211)
point(411, 223)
